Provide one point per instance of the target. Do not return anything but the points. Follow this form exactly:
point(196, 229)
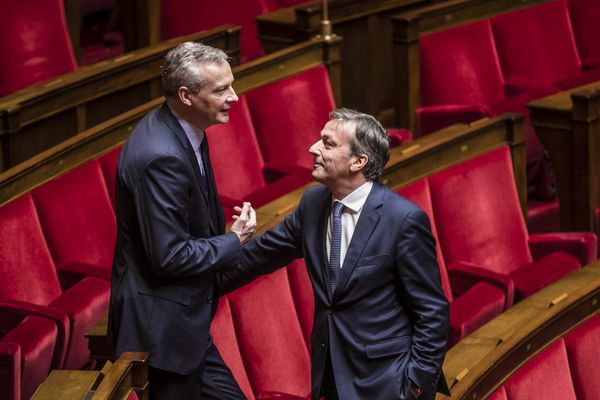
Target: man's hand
point(245, 222)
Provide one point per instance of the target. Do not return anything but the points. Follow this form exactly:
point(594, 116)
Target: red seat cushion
point(530, 278)
point(547, 376)
point(288, 116)
point(582, 344)
point(39, 47)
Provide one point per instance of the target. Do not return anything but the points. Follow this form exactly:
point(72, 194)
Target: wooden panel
point(94, 85)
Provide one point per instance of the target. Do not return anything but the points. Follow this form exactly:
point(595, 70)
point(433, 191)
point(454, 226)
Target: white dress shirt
point(194, 135)
point(353, 204)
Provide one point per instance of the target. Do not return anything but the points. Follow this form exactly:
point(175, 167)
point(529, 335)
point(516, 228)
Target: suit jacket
point(170, 247)
point(387, 321)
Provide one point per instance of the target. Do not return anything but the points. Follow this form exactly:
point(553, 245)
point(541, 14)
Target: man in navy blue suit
point(381, 317)
point(171, 244)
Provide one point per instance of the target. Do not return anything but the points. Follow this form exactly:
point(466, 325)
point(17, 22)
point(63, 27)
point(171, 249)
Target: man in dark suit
point(381, 317)
point(171, 246)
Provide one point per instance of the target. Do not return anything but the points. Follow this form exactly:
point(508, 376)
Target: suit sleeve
point(428, 307)
point(162, 201)
point(264, 254)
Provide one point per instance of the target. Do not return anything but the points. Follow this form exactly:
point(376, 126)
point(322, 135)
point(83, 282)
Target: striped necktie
point(336, 245)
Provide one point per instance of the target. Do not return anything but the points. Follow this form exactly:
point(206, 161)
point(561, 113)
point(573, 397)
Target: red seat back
point(183, 17)
point(585, 15)
point(289, 114)
point(537, 43)
point(108, 163)
point(36, 44)
point(478, 215)
point(26, 269)
point(270, 337)
point(546, 376)
point(235, 155)
point(419, 194)
point(460, 66)
point(582, 347)
point(77, 217)
point(304, 300)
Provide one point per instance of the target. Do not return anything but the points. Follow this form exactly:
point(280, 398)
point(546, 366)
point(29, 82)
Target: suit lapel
point(369, 217)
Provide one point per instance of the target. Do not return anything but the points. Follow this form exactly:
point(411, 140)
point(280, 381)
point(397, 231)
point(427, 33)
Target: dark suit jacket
point(387, 321)
point(170, 247)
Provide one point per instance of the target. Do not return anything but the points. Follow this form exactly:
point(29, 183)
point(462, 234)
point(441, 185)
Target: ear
point(184, 95)
point(359, 162)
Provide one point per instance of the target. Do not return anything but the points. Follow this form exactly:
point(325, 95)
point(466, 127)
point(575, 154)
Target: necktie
point(336, 244)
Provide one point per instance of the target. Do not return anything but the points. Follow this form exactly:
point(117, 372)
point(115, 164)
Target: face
point(333, 159)
point(212, 103)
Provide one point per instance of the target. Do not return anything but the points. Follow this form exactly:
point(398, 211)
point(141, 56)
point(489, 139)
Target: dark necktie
point(336, 245)
point(214, 202)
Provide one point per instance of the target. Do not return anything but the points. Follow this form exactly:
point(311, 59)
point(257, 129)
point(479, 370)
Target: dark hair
point(181, 66)
point(370, 139)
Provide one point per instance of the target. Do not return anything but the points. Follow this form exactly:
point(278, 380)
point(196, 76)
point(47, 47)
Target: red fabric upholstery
point(582, 348)
point(543, 216)
point(546, 376)
point(36, 43)
point(77, 218)
point(10, 370)
point(208, 14)
point(270, 337)
point(582, 245)
point(302, 292)
point(397, 136)
point(108, 163)
point(36, 340)
point(537, 43)
point(479, 221)
point(27, 274)
point(499, 394)
point(223, 335)
point(244, 179)
point(288, 117)
point(479, 303)
point(585, 15)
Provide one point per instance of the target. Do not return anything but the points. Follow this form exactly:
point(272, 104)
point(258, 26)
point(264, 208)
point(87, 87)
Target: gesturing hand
point(245, 222)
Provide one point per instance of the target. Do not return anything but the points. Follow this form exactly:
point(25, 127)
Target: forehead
point(339, 129)
point(215, 73)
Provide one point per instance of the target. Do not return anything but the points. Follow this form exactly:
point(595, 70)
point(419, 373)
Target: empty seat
point(582, 348)
point(270, 337)
point(547, 376)
point(246, 178)
point(288, 117)
point(479, 221)
point(477, 304)
point(29, 280)
point(537, 44)
point(78, 220)
point(36, 44)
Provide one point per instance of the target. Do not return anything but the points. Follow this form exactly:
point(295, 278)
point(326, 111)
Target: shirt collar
point(194, 135)
point(356, 200)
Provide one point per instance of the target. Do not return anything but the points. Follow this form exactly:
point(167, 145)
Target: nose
point(233, 97)
point(314, 149)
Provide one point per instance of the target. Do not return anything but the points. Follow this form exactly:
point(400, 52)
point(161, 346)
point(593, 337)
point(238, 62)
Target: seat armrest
point(582, 245)
point(287, 169)
point(517, 85)
point(397, 136)
point(58, 316)
point(433, 118)
point(230, 202)
point(80, 270)
point(268, 395)
point(464, 275)
point(590, 63)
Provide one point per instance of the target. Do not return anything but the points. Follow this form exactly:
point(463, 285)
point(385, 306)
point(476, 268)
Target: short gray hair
point(181, 66)
point(370, 139)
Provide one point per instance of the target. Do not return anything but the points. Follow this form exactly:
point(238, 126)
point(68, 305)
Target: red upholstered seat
point(239, 166)
point(29, 281)
point(547, 376)
point(537, 43)
point(475, 306)
point(304, 300)
point(461, 81)
point(222, 332)
point(585, 15)
point(479, 221)
point(108, 163)
point(78, 220)
point(582, 344)
point(36, 44)
point(208, 14)
point(499, 394)
point(27, 353)
point(270, 337)
point(288, 116)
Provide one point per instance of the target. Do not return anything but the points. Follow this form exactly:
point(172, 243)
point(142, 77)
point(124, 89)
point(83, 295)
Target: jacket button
point(323, 345)
point(209, 299)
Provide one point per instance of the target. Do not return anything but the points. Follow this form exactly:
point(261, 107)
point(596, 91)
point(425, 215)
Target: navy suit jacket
point(387, 321)
point(170, 247)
